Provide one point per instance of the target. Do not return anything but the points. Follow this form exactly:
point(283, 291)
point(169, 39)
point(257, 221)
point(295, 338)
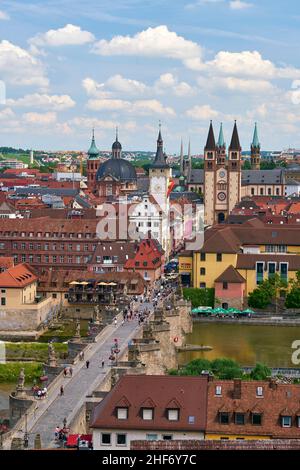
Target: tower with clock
point(160, 175)
point(222, 176)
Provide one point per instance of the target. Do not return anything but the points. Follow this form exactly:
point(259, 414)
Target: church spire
point(160, 159)
point(181, 159)
point(221, 141)
point(93, 152)
point(235, 141)
point(116, 146)
point(210, 143)
point(255, 150)
point(255, 141)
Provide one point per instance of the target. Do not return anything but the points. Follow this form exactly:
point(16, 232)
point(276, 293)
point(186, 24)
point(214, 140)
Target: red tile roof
point(6, 262)
point(277, 400)
point(149, 255)
point(17, 276)
point(231, 275)
point(159, 392)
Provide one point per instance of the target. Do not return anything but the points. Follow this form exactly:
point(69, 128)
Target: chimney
point(272, 383)
point(237, 388)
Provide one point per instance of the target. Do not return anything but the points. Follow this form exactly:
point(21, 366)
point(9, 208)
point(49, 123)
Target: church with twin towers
point(223, 182)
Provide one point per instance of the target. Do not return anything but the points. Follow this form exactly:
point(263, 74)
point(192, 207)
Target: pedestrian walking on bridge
point(87, 364)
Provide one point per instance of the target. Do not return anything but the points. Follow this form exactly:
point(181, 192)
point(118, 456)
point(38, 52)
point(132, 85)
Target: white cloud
point(19, 67)
point(37, 100)
point(69, 35)
point(153, 42)
point(95, 89)
point(140, 107)
point(107, 105)
point(3, 15)
point(203, 112)
point(6, 113)
point(146, 107)
point(243, 85)
point(125, 85)
point(248, 63)
point(39, 118)
point(100, 124)
point(239, 5)
point(167, 82)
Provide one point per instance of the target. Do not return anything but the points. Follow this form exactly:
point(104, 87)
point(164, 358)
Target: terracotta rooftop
point(17, 276)
point(188, 394)
point(6, 262)
point(149, 255)
point(231, 275)
point(242, 397)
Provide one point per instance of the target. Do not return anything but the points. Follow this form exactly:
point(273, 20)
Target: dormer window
point(147, 414)
point(286, 421)
point(122, 413)
point(259, 392)
point(173, 414)
point(218, 391)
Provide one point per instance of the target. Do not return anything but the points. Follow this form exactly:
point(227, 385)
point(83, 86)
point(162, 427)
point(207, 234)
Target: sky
point(67, 66)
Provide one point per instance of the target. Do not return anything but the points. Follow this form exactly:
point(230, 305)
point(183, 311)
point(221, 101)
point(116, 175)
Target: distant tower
point(221, 147)
point(116, 147)
point(182, 163)
point(222, 177)
point(93, 163)
point(31, 157)
point(255, 150)
point(188, 163)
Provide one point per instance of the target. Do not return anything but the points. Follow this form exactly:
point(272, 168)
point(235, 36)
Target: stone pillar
point(51, 356)
point(37, 441)
point(77, 335)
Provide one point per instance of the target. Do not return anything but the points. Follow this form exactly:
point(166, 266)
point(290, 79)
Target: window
point(298, 421)
point(147, 414)
point(61, 259)
point(54, 259)
point(3, 291)
point(38, 259)
point(46, 259)
point(70, 259)
point(122, 413)
point(259, 392)
point(3, 301)
point(218, 390)
point(167, 437)
point(239, 418)
point(30, 246)
point(202, 285)
point(259, 272)
point(277, 192)
point(286, 421)
point(191, 419)
point(219, 256)
point(225, 285)
point(2, 246)
point(121, 439)
point(202, 256)
point(151, 437)
point(77, 247)
point(202, 271)
point(23, 246)
point(54, 296)
point(283, 271)
point(15, 246)
point(173, 415)
point(23, 258)
point(106, 439)
point(46, 248)
point(252, 191)
point(224, 418)
point(261, 191)
point(269, 191)
point(256, 419)
point(271, 270)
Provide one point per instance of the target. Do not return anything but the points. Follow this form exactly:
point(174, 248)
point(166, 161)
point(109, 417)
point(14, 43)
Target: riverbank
point(272, 321)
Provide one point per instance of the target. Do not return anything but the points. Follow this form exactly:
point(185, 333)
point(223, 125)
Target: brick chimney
point(237, 388)
point(272, 383)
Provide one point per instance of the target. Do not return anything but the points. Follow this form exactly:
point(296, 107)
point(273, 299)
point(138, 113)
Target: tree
point(293, 298)
point(199, 297)
point(246, 165)
point(260, 372)
point(258, 298)
point(225, 368)
point(267, 291)
point(196, 366)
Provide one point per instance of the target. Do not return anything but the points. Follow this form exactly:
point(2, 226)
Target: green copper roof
point(221, 141)
point(255, 141)
point(93, 152)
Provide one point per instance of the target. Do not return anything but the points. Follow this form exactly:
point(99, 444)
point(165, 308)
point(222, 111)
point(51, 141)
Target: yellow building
point(253, 251)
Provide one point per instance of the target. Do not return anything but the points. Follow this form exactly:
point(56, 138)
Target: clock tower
point(160, 175)
point(222, 176)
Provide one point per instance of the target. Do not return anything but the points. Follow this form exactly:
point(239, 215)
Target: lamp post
point(26, 440)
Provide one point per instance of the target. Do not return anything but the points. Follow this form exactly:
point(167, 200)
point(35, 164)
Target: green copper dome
point(93, 152)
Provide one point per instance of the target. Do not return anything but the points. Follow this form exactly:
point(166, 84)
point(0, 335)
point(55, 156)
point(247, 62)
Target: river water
point(247, 344)
point(5, 390)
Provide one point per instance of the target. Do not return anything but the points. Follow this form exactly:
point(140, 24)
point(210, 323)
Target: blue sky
point(70, 65)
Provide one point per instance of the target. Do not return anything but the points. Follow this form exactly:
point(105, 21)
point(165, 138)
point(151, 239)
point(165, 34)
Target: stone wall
point(27, 318)
point(17, 408)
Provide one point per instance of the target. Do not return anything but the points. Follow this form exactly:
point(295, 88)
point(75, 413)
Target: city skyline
point(134, 63)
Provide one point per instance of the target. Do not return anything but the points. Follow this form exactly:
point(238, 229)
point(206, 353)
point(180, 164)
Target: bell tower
point(255, 151)
point(210, 154)
point(234, 169)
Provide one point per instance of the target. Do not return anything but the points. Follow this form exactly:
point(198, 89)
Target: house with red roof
point(148, 260)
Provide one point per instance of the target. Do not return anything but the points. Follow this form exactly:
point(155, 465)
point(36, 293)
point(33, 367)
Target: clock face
point(222, 174)
point(158, 188)
point(221, 196)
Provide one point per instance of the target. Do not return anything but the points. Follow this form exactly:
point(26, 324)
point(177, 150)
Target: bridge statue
point(20, 389)
point(51, 356)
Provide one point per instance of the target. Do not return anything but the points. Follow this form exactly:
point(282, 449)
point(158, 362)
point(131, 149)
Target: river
point(247, 344)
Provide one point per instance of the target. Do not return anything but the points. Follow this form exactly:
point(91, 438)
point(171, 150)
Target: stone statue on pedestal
point(97, 315)
point(51, 356)
point(20, 389)
point(77, 331)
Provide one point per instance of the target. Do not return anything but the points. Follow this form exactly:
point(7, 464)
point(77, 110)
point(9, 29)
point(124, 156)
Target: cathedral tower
point(255, 151)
